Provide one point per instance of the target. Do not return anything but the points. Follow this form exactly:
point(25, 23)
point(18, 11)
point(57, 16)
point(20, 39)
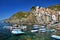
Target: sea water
point(5, 34)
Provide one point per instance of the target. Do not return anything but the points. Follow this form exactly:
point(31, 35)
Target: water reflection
point(31, 36)
point(5, 34)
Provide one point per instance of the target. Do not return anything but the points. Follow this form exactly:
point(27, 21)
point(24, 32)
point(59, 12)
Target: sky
point(10, 7)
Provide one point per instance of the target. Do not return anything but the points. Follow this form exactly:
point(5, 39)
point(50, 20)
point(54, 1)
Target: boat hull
point(55, 37)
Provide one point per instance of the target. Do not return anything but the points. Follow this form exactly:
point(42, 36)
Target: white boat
point(34, 30)
point(16, 31)
point(43, 30)
point(35, 26)
point(23, 27)
point(55, 36)
point(42, 26)
point(53, 30)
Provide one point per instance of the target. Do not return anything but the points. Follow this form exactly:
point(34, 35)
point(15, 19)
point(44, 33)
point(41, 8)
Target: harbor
point(7, 35)
point(37, 32)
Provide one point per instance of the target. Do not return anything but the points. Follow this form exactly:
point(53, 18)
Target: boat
point(36, 26)
point(42, 26)
point(52, 30)
point(56, 37)
point(43, 30)
point(34, 30)
point(23, 27)
point(17, 31)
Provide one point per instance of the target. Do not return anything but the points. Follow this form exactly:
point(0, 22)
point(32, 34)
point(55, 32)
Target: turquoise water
point(5, 34)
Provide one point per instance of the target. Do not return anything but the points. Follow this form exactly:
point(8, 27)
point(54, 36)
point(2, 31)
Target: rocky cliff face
point(31, 16)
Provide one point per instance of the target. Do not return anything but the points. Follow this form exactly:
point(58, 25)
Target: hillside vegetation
point(55, 6)
point(20, 15)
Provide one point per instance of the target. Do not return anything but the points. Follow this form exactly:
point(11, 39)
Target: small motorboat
point(42, 26)
point(34, 30)
point(55, 37)
point(52, 30)
point(43, 30)
point(35, 26)
point(17, 31)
